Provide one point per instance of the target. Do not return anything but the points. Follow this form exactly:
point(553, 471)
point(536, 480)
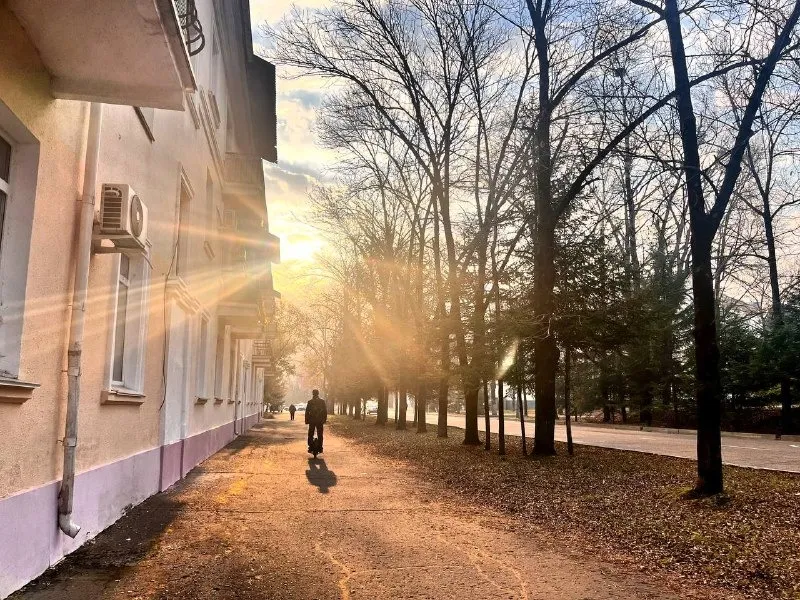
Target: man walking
point(316, 417)
point(292, 410)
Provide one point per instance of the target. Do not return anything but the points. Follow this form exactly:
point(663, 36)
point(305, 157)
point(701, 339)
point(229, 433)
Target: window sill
point(14, 391)
point(201, 400)
point(121, 396)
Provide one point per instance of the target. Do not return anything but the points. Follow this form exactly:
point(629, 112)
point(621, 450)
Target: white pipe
point(75, 350)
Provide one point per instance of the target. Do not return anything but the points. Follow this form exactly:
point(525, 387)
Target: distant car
point(300, 407)
point(372, 408)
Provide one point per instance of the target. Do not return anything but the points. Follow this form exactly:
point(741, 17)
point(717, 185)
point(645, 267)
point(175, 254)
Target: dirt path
point(261, 520)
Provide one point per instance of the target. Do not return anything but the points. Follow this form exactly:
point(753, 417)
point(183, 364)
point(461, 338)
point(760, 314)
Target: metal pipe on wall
point(75, 349)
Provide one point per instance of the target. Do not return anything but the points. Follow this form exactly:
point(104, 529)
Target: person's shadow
point(319, 476)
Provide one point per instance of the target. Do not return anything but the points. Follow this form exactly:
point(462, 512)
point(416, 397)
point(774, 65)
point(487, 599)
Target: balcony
point(245, 303)
point(262, 90)
point(193, 35)
point(262, 353)
point(244, 175)
point(130, 52)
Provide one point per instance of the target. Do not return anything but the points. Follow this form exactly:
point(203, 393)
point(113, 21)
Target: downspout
point(65, 495)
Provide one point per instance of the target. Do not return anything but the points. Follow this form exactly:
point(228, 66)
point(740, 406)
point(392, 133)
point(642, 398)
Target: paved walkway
point(261, 520)
point(757, 453)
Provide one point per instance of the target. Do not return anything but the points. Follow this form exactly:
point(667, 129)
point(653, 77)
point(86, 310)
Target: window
point(210, 212)
point(5, 186)
point(202, 359)
point(123, 286)
point(233, 390)
point(19, 169)
point(219, 363)
point(215, 63)
point(182, 251)
point(130, 316)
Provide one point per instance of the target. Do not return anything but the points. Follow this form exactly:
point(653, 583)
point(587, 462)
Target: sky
point(301, 162)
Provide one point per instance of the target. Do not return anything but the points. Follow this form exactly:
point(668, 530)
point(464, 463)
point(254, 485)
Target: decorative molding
point(193, 110)
point(206, 114)
point(121, 396)
point(14, 391)
point(218, 400)
point(176, 288)
point(186, 183)
point(201, 400)
point(209, 250)
point(212, 101)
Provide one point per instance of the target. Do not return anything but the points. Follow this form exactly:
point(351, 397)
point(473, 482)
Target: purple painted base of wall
point(30, 540)
point(181, 457)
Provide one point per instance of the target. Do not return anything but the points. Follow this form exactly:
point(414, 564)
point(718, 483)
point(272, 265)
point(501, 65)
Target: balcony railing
point(261, 353)
point(193, 34)
point(243, 170)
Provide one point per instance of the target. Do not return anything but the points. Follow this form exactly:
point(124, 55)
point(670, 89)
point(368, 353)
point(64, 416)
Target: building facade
point(136, 291)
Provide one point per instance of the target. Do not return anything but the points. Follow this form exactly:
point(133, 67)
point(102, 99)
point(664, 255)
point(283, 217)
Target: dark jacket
point(316, 412)
point(292, 408)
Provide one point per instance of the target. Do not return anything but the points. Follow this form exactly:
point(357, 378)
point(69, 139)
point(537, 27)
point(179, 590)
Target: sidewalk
point(751, 452)
point(261, 520)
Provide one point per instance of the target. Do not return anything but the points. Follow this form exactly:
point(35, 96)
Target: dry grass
point(618, 502)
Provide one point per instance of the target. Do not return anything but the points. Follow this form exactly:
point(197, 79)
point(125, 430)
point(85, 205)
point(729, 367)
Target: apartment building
point(136, 291)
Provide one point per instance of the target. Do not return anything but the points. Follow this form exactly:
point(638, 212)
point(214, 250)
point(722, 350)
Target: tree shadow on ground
point(319, 476)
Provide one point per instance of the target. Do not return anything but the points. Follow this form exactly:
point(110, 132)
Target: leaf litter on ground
point(628, 505)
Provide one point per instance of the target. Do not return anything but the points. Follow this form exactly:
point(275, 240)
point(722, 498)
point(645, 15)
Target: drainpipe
point(65, 495)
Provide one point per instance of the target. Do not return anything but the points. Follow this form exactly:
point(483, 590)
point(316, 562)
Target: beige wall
point(29, 450)
point(30, 454)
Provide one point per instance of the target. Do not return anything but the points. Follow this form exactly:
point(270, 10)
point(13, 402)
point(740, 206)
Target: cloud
point(286, 181)
point(307, 98)
point(293, 178)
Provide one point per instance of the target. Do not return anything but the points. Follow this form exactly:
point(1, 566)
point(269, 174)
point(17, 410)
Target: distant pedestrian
point(292, 410)
point(316, 416)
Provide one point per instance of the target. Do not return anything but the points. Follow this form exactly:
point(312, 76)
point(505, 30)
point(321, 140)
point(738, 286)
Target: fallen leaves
point(616, 501)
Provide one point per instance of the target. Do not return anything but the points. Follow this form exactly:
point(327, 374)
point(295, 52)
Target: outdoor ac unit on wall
point(123, 217)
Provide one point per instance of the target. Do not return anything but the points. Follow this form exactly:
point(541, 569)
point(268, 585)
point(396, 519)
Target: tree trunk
point(706, 350)
point(402, 402)
point(441, 425)
point(777, 312)
point(486, 418)
point(522, 421)
point(525, 397)
point(383, 406)
point(709, 387)
point(567, 390)
point(545, 352)
point(421, 403)
point(471, 437)
point(501, 419)
point(444, 350)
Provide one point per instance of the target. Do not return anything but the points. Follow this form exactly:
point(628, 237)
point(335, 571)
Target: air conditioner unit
point(123, 217)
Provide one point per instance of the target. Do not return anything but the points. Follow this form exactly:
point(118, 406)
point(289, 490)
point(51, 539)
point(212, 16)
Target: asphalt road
point(757, 453)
